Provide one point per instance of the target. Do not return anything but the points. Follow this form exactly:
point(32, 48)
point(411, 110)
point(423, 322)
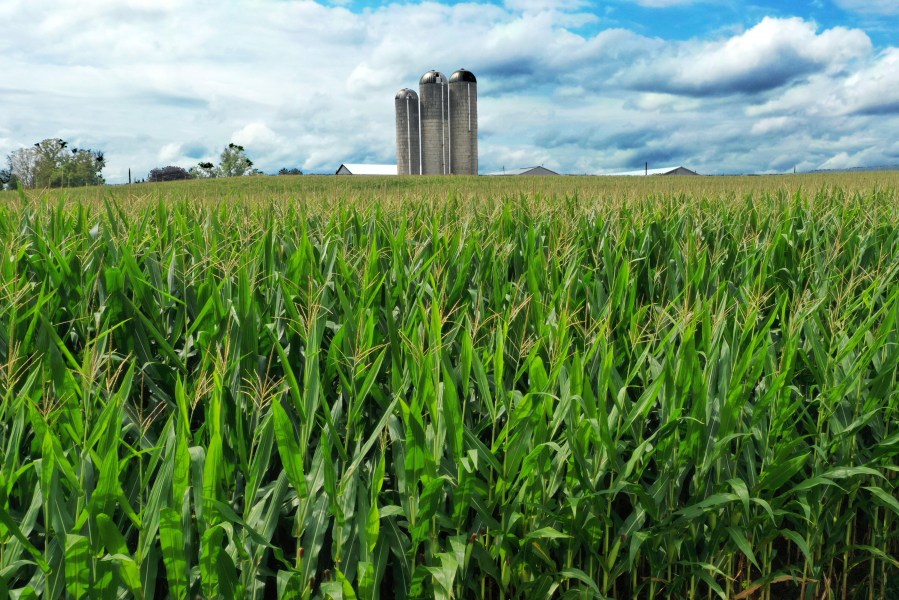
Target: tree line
point(52, 164)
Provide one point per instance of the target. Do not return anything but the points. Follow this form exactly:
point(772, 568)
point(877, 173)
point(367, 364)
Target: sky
point(578, 87)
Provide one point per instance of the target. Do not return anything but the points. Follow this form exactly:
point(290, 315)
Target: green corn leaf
point(875, 551)
point(314, 529)
point(777, 475)
point(713, 502)
point(158, 337)
point(212, 477)
point(12, 528)
point(428, 504)
point(444, 575)
point(743, 544)
point(546, 533)
point(579, 575)
point(290, 586)
point(800, 543)
point(181, 469)
point(292, 384)
point(107, 490)
point(884, 498)
point(813, 482)
point(78, 566)
point(116, 545)
point(174, 556)
point(289, 449)
point(452, 413)
point(366, 580)
point(217, 571)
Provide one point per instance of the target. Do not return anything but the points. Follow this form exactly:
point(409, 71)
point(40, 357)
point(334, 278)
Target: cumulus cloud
point(256, 135)
point(543, 5)
point(664, 3)
point(873, 7)
point(170, 154)
point(874, 89)
point(312, 85)
point(770, 55)
point(775, 125)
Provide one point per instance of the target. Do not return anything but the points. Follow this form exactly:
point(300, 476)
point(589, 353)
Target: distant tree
point(50, 164)
point(82, 168)
point(50, 168)
point(7, 179)
point(23, 164)
point(203, 170)
point(234, 162)
point(290, 171)
point(169, 173)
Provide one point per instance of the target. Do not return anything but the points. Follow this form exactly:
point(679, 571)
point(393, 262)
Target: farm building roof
point(362, 169)
point(661, 171)
point(525, 171)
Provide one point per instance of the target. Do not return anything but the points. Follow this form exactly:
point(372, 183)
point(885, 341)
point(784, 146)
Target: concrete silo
point(408, 133)
point(432, 91)
point(463, 123)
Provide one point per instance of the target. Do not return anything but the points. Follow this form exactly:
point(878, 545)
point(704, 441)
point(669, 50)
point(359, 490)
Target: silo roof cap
point(406, 93)
point(432, 77)
point(462, 75)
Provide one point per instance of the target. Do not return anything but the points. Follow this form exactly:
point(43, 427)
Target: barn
point(363, 169)
point(525, 171)
point(660, 171)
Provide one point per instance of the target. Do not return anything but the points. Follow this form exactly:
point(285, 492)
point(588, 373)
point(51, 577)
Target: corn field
point(549, 392)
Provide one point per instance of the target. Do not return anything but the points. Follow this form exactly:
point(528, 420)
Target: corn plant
point(451, 388)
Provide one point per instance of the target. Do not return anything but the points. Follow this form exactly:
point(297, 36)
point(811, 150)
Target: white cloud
point(544, 5)
point(256, 135)
point(767, 56)
point(873, 7)
point(170, 153)
point(860, 157)
point(308, 85)
point(874, 89)
point(667, 103)
point(664, 3)
point(776, 125)
point(840, 161)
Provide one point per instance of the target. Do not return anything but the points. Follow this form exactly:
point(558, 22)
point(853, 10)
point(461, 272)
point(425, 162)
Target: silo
point(432, 90)
point(463, 123)
point(408, 137)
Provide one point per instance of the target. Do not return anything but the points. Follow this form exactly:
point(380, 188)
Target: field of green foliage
point(317, 387)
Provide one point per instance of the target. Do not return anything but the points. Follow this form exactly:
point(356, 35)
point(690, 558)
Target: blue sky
point(580, 87)
point(688, 19)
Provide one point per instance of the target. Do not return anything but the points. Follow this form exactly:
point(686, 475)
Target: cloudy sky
point(580, 87)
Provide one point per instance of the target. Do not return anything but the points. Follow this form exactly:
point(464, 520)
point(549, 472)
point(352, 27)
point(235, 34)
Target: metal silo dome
point(408, 148)
point(463, 123)
point(462, 75)
point(432, 76)
point(434, 100)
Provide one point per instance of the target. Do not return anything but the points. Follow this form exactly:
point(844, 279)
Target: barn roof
point(525, 171)
point(680, 170)
point(363, 169)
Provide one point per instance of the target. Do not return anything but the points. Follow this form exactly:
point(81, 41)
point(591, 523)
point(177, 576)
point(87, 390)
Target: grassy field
point(570, 387)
